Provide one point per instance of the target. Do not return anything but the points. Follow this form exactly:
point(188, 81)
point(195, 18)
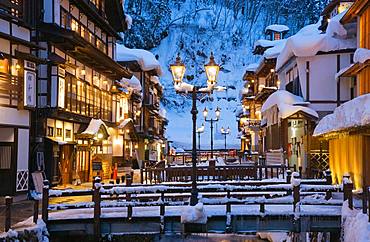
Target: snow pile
point(287, 104)
point(295, 181)
point(275, 51)
point(355, 226)
point(309, 40)
point(267, 43)
point(354, 113)
point(163, 112)
point(128, 20)
point(273, 237)
point(132, 83)
point(21, 231)
point(277, 28)
point(194, 214)
point(361, 55)
point(94, 127)
point(184, 87)
point(144, 58)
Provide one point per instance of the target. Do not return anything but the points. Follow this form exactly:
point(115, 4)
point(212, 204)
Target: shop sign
point(152, 155)
point(97, 166)
point(29, 88)
point(61, 87)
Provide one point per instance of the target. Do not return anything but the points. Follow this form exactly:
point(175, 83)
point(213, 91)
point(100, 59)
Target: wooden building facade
point(349, 148)
point(18, 79)
point(77, 94)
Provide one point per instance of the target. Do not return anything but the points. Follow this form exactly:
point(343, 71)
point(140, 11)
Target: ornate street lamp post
point(178, 71)
point(225, 132)
point(211, 120)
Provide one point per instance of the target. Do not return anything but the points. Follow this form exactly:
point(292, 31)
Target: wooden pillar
point(8, 214)
point(347, 190)
point(97, 208)
point(35, 210)
point(45, 201)
point(329, 181)
point(128, 196)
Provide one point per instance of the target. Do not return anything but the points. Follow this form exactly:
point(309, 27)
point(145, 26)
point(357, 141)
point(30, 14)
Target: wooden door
point(7, 168)
point(66, 159)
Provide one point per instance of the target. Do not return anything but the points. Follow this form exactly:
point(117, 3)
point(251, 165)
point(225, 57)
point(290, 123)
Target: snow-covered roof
point(144, 58)
point(310, 40)
point(277, 28)
point(287, 104)
point(275, 51)
point(128, 20)
point(354, 113)
point(94, 127)
point(124, 123)
point(132, 83)
point(361, 55)
point(252, 67)
point(162, 112)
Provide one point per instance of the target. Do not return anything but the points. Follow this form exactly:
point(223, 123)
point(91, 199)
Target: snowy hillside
point(194, 29)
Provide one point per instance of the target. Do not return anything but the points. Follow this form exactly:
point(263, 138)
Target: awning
point(95, 128)
point(124, 123)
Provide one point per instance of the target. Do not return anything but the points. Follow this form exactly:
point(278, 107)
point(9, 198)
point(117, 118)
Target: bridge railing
point(228, 193)
point(155, 175)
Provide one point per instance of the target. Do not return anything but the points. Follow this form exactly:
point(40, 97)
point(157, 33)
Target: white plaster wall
point(56, 11)
point(23, 149)
point(21, 32)
point(12, 116)
point(48, 11)
point(4, 26)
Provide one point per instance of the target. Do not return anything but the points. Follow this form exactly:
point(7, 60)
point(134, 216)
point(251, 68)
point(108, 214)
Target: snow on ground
point(273, 237)
point(354, 113)
point(355, 225)
point(287, 104)
point(18, 230)
point(310, 40)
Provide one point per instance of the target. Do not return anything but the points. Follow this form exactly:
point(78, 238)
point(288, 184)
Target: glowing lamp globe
point(218, 112)
point(212, 69)
point(205, 112)
point(177, 70)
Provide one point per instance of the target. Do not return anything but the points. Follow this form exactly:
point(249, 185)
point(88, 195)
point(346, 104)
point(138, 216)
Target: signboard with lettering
point(29, 89)
point(97, 166)
point(152, 155)
point(61, 87)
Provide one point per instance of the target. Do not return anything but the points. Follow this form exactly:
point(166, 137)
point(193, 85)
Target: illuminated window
point(4, 66)
point(59, 132)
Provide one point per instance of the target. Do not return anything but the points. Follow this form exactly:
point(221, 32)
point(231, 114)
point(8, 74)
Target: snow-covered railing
point(213, 173)
point(290, 191)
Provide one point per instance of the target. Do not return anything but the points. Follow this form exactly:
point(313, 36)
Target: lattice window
point(319, 161)
point(22, 180)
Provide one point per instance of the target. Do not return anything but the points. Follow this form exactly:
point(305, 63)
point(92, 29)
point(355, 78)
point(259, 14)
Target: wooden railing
point(227, 193)
point(155, 175)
